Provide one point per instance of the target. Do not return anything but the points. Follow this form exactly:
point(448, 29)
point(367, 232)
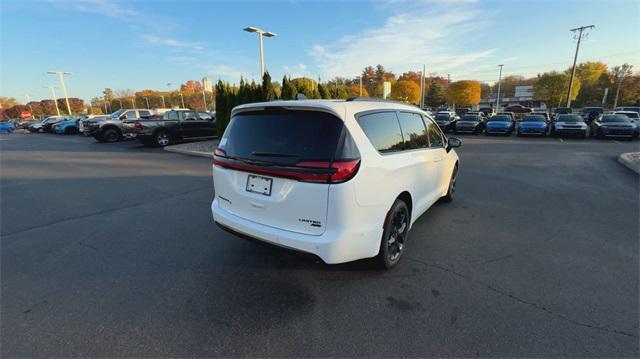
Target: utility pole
point(64, 88)
point(55, 100)
point(360, 85)
point(28, 103)
point(163, 105)
point(204, 98)
point(499, 87)
point(147, 101)
point(133, 102)
point(580, 31)
point(622, 71)
point(422, 87)
point(182, 99)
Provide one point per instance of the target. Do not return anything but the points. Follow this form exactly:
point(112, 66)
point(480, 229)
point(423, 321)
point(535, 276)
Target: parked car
point(560, 111)
point(628, 108)
point(499, 124)
point(591, 113)
point(461, 111)
point(25, 123)
point(67, 127)
point(488, 111)
point(516, 109)
point(470, 124)
point(39, 126)
point(110, 129)
point(447, 120)
point(569, 124)
point(175, 125)
point(7, 127)
point(48, 126)
point(614, 126)
point(633, 116)
point(532, 124)
point(343, 180)
point(92, 118)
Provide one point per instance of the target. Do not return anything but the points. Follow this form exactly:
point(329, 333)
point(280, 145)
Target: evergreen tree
point(289, 91)
point(268, 92)
point(436, 95)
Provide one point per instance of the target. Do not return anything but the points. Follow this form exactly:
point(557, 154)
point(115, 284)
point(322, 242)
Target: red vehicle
point(517, 109)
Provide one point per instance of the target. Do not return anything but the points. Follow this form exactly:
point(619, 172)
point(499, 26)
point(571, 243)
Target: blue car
point(532, 125)
point(499, 124)
point(7, 127)
point(67, 127)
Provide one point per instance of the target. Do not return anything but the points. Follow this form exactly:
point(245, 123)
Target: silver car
point(569, 124)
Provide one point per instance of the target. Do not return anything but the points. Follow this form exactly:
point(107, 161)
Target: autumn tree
point(552, 87)
point(406, 90)
point(324, 92)
point(191, 86)
point(485, 90)
point(108, 94)
point(464, 93)
point(6, 102)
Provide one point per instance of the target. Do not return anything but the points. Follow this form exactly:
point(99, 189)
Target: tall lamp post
point(64, 88)
point(499, 86)
point(55, 100)
point(28, 96)
point(260, 33)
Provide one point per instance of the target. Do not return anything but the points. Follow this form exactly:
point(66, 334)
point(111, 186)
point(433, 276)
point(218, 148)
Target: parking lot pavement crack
point(105, 211)
point(524, 301)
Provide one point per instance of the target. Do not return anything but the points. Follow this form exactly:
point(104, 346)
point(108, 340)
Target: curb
point(627, 160)
point(188, 153)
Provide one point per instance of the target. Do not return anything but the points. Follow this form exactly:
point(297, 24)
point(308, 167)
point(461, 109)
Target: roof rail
point(373, 99)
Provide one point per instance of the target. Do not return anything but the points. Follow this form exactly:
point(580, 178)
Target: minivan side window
point(435, 135)
point(413, 130)
point(383, 131)
point(131, 115)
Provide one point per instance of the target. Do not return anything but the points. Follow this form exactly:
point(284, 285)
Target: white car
point(343, 180)
point(632, 115)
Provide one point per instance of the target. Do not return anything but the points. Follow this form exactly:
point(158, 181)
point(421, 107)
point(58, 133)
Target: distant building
point(207, 84)
point(523, 96)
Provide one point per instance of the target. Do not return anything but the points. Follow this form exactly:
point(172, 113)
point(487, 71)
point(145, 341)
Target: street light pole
point(499, 87)
point(204, 98)
point(64, 88)
point(575, 59)
point(182, 99)
point(163, 105)
point(422, 87)
point(28, 103)
point(260, 33)
point(55, 100)
point(147, 100)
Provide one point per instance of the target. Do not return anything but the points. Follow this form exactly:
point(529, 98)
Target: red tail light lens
point(328, 172)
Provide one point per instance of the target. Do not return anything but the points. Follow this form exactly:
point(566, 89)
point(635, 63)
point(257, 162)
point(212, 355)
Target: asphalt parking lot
point(109, 250)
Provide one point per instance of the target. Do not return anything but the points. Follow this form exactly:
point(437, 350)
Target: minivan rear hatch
point(274, 167)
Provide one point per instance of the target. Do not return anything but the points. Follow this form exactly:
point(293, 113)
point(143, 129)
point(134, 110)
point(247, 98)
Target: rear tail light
point(325, 172)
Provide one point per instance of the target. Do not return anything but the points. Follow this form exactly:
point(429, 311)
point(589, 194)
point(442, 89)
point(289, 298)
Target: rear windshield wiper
point(272, 154)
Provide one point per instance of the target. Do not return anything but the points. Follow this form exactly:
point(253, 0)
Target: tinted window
point(383, 131)
point(172, 116)
point(435, 135)
point(284, 137)
point(144, 113)
point(442, 117)
point(190, 116)
point(630, 114)
point(471, 118)
point(130, 115)
point(413, 130)
point(500, 118)
point(205, 116)
point(534, 119)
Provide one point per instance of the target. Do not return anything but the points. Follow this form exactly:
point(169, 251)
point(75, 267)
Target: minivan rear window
point(283, 136)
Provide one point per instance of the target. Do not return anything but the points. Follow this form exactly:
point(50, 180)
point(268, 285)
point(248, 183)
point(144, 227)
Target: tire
point(161, 139)
point(448, 198)
point(110, 135)
point(394, 236)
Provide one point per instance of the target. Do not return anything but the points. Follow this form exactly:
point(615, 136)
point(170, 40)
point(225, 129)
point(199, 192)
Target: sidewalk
point(631, 160)
point(200, 149)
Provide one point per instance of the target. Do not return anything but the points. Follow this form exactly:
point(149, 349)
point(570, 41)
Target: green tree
point(324, 93)
point(268, 92)
point(552, 87)
point(107, 94)
point(289, 91)
point(435, 95)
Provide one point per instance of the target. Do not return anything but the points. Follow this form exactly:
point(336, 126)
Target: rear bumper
point(333, 246)
point(498, 130)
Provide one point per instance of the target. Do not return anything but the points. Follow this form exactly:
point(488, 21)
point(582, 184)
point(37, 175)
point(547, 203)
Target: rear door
point(265, 163)
point(437, 153)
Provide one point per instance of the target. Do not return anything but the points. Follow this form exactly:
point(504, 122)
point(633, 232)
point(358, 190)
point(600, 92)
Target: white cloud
point(155, 40)
point(297, 70)
point(427, 32)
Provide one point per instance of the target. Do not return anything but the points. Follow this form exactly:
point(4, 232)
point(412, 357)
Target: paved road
point(110, 250)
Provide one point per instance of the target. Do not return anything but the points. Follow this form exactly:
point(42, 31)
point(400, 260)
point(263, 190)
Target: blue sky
point(146, 44)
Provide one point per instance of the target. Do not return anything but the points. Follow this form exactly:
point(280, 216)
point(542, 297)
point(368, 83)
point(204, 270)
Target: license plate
point(259, 184)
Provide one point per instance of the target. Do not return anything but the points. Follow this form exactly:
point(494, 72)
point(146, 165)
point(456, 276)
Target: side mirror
point(453, 142)
point(122, 117)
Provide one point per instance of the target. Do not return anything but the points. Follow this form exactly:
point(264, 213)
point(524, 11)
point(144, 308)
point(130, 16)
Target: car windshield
point(614, 118)
point(630, 114)
point(117, 113)
point(570, 118)
point(500, 118)
point(534, 119)
point(442, 117)
point(471, 118)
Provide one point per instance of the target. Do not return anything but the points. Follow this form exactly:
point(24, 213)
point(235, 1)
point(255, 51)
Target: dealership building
point(523, 96)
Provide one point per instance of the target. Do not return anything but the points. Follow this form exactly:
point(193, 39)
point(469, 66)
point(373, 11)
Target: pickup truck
point(110, 129)
point(172, 126)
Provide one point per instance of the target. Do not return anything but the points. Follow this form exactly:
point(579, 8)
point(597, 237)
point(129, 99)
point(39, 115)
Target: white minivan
point(341, 179)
